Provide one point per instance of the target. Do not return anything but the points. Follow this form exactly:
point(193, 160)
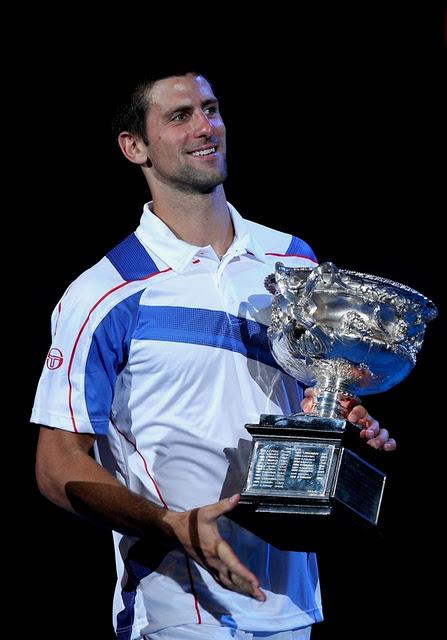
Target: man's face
point(186, 134)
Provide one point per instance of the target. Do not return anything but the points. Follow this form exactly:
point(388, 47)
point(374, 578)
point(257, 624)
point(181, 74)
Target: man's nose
point(203, 126)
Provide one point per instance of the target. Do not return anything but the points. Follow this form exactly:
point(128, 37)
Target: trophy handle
point(314, 341)
point(318, 274)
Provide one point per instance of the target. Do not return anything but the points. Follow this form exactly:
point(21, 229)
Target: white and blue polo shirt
point(161, 350)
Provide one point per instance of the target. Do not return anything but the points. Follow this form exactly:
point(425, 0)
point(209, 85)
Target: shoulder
point(280, 244)
point(119, 277)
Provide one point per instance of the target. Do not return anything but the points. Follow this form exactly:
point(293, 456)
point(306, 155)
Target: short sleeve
point(91, 337)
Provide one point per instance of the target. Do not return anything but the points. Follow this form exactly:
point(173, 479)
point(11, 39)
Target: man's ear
point(133, 148)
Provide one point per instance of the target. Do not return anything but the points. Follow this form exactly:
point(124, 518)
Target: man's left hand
point(375, 435)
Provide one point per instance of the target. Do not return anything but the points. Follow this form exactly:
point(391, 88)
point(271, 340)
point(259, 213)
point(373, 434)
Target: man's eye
point(178, 117)
point(210, 110)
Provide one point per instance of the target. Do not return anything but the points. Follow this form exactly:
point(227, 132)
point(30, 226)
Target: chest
point(190, 321)
point(236, 288)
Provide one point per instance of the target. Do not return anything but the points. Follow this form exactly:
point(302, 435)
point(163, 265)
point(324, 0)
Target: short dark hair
point(132, 109)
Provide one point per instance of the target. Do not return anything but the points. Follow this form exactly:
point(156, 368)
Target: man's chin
point(206, 184)
point(206, 181)
point(211, 185)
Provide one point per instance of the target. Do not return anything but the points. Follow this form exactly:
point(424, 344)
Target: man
point(159, 358)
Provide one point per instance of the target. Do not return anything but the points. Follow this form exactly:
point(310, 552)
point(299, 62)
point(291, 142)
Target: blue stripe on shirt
point(108, 354)
point(131, 259)
point(300, 248)
point(205, 327)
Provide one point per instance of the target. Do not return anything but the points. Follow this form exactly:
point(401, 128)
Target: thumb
point(223, 506)
point(308, 402)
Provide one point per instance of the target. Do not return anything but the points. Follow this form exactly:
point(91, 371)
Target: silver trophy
point(346, 334)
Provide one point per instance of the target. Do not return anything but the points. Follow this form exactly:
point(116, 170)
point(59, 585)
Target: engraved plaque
point(294, 468)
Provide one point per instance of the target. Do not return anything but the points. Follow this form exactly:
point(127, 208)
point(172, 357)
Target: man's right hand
point(197, 532)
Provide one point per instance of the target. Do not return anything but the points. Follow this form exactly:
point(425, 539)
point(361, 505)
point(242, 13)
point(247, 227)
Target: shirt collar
point(178, 254)
point(243, 236)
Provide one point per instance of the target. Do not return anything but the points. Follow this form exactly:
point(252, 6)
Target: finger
point(229, 571)
point(307, 404)
point(348, 404)
point(390, 445)
point(358, 414)
point(236, 582)
point(370, 428)
point(213, 511)
point(380, 440)
point(236, 572)
point(233, 583)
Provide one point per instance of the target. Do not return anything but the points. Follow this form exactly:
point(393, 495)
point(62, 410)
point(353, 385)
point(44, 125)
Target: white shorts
point(211, 632)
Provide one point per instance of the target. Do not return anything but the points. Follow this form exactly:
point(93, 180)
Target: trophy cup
point(346, 334)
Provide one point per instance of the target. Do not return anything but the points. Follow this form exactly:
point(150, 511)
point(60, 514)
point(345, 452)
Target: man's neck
point(200, 219)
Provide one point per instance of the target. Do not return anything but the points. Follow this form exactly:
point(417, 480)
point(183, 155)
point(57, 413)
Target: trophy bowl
point(343, 332)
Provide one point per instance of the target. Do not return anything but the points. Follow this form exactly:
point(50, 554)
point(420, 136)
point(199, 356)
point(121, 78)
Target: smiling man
point(164, 359)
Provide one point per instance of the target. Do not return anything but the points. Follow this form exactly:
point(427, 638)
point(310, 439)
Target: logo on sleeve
point(54, 358)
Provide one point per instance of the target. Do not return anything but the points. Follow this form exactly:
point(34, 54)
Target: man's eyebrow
point(186, 107)
point(205, 103)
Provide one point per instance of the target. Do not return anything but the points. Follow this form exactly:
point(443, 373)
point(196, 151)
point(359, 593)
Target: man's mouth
point(204, 152)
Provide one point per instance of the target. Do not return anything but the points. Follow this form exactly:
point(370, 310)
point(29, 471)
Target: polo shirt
point(161, 350)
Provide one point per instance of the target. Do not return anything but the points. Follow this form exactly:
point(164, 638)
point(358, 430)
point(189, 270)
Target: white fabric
point(208, 632)
point(158, 364)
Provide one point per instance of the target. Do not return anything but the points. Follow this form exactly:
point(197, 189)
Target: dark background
point(335, 134)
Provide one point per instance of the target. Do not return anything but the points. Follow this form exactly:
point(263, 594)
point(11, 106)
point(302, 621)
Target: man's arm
point(70, 478)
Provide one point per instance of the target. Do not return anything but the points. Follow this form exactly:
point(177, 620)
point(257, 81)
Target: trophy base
point(288, 529)
point(306, 484)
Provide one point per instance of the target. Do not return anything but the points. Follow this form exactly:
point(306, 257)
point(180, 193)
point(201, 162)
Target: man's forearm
point(73, 480)
point(114, 506)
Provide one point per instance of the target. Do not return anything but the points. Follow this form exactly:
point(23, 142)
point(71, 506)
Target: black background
point(335, 134)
